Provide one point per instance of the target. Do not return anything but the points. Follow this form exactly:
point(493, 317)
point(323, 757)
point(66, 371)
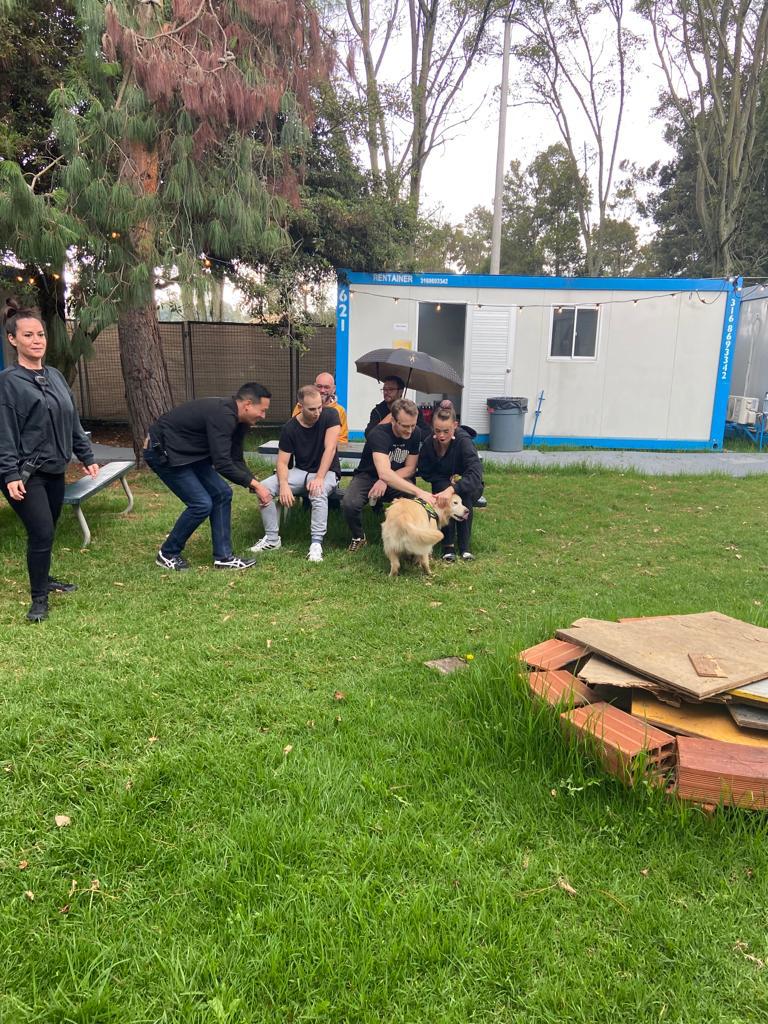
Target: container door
point(488, 361)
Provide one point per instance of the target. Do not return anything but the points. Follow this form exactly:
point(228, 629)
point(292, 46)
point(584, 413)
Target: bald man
point(326, 385)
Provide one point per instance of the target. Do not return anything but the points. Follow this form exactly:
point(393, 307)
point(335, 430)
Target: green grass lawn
point(243, 847)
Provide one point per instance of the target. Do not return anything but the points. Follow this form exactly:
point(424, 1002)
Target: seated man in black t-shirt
point(309, 442)
point(386, 466)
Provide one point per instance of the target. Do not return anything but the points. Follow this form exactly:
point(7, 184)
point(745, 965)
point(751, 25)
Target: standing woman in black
point(39, 429)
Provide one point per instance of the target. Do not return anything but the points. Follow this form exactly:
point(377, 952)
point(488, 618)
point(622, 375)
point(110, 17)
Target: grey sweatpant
point(297, 481)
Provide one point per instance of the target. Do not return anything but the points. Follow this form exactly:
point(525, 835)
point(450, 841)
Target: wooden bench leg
point(83, 525)
point(129, 496)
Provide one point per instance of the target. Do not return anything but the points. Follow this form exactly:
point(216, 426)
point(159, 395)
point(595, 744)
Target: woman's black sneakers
point(38, 610)
point(60, 587)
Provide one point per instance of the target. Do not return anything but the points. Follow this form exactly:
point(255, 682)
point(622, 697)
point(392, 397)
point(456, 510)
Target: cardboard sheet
point(600, 672)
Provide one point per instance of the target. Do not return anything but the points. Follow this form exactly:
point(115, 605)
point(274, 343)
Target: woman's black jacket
point(39, 425)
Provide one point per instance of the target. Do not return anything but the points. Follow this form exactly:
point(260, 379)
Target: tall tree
point(540, 226)
point(713, 55)
point(575, 57)
point(178, 139)
point(405, 119)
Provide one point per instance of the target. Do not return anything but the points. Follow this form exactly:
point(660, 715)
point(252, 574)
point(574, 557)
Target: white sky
point(460, 174)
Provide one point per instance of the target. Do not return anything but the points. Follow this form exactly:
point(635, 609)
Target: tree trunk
point(145, 375)
point(147, 390)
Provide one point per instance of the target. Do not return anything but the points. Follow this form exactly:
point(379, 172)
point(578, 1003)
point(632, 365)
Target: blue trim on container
point(342, 343)
point(648, 284)
point(725, 366)
point(652, 444)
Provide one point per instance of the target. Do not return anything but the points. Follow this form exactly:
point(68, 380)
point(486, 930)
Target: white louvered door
point(490, 343)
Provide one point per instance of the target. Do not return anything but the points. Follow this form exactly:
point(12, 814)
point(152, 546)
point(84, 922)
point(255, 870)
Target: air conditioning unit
point(742, 409)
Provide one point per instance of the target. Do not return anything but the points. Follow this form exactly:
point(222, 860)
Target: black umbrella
point(419, 370)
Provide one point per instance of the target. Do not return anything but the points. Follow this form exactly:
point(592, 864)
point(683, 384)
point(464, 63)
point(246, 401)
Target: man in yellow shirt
point(326, 385)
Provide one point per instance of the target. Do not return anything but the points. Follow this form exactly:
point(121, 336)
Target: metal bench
point(75, 494)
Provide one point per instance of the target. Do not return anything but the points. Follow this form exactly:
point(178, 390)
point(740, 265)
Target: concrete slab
point(649, 463)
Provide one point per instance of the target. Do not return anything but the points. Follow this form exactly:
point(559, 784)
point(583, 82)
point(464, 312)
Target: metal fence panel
point(205, 359)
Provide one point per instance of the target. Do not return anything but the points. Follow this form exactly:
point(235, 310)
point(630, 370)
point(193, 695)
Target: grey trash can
point(507, 417)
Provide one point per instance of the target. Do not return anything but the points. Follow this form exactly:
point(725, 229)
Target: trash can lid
point(504, 402)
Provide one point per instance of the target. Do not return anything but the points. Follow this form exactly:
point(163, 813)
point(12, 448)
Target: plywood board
point(748, 716)
point(706, 665)
point(755, 693)
point(707, 721)
point(659, 648)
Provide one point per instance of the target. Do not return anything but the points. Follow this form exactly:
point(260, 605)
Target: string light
point(19, 279)
point(32, 280)
point(548, 305)
point(438, 307)
point(55, 276)
point(114, 234)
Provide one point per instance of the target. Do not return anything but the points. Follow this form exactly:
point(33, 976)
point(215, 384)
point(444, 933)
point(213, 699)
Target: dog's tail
point(426, 534)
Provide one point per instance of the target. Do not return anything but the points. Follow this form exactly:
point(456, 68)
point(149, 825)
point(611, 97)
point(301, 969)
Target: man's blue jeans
point(206, 495)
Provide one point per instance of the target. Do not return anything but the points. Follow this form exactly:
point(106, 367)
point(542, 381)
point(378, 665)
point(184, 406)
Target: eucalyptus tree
point(713, 55)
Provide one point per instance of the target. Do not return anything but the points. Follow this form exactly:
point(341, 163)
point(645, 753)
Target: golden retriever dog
point(410, 531)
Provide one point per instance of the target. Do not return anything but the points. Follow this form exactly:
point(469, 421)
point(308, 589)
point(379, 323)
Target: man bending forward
point(309, 440)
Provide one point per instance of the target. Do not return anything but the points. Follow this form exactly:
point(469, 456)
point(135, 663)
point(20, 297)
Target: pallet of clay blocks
point(709, 771)
point(552, 654)
point(557, 686)
point(625, 745)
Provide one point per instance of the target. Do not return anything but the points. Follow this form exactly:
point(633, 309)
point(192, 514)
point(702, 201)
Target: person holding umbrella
point(392, 389)
point(399, 369)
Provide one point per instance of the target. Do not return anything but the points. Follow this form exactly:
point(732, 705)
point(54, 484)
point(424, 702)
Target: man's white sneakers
point(267, 545)
point(315, 552)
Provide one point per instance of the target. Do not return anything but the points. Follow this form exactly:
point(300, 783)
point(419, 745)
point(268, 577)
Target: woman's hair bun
point(13, 311)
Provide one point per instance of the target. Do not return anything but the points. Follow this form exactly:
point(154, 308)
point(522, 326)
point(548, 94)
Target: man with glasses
point(386, 467)
point(392, 389)
point(326, 385)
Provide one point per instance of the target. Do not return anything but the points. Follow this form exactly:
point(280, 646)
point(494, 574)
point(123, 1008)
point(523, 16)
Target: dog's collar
point(429, 509)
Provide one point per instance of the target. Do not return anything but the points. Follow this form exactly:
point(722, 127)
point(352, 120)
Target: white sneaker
point(315, 552)
point(266, 545)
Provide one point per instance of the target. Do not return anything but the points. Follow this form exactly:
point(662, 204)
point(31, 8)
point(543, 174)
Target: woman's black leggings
point(39, 511)
point(452, 528)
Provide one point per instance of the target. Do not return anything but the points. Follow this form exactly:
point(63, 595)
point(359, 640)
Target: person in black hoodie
point(39, 430)
point(449, 461)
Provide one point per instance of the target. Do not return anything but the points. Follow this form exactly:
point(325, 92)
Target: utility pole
point(503, 103)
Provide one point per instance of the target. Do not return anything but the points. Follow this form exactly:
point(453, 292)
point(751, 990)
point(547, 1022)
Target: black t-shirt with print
point(307, 444)
point(397, 449)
